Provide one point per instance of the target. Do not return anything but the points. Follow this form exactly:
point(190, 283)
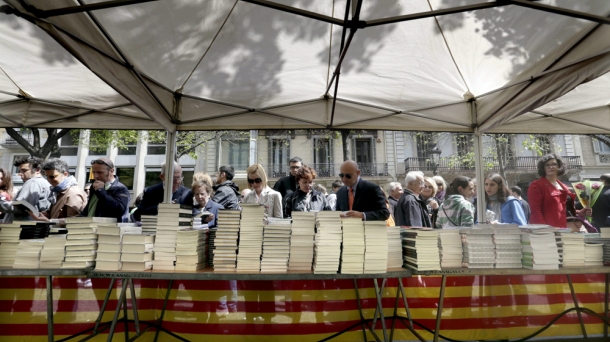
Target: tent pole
point(478, 166)
point(170, 154)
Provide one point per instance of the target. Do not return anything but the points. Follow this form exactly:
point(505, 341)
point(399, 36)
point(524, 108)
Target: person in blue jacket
point(507, 208)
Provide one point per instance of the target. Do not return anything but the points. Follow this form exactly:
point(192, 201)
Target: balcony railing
point(515, 163)
point(10, 142)
point(330, 170)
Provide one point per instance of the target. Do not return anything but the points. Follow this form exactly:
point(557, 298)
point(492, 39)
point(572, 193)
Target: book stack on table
point(302, 239)
point(110, 245)
point(225, 241)
point(478, 248)
point(352, 250)
point(375, 247)
point(573, 249)
point(170, 219)
point(539, 247)
point(9, 241)
point(149, 224)
point(81, 242)
point(394, 248)
point(450, 247)
point(327, 250)
point(54, 249)
point(420, 249)
point(594, 254)
point(507, 238)
point(250, 238)
point(276, 246)
point(28, 253)
point(211, 237)
point(191, 249)
point(604, 238)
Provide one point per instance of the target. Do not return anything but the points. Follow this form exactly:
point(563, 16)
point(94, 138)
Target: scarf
point(66, 183)
point(496, 207)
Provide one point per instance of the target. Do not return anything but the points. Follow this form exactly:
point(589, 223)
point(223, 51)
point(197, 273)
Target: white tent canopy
point(207, 65)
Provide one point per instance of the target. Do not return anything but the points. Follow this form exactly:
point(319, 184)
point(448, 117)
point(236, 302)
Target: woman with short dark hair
point(456, 210)
point(305, 198)
point(548, 196)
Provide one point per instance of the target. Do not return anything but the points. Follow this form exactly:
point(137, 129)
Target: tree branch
point(22, 141)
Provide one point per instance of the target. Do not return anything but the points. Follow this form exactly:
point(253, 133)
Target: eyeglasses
point(101, 162)
point(179, 178)
point(54, 176)
point(551, 165)
point(258, 180)
point(346, 175)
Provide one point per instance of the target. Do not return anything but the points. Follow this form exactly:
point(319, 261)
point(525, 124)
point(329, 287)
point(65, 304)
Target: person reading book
point(153, 195)
point(35, 191)
point(205, 208)
point(70, 199)
point(108, 197)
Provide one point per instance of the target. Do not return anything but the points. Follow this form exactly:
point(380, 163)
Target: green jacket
point(455, 211)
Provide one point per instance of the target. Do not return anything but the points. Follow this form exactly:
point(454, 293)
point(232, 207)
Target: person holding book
point(456, 210)
point(359, 198)
point(548, 196)
point(108, 197)
point(305, 198)
point(226, 192)
point(153, 195)
point(70, 199)
point(411, 209)
point(261, 193)
point(507, 209)
point(204, 207)
point(36, 192)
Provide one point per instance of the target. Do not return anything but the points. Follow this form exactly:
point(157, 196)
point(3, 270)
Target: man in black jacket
point(359, 198)
point(153, 195)
point(287, 185)
point(226, 193)
point(601, 208)
point(411, 209)
point(108, 197)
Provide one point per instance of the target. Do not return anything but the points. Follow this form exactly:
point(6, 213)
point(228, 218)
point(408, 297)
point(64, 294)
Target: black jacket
point(369, 199)
point(113, 202)
point(285, 185)
point(601, 208)
point(227, 195)
point(296, 201)
point(412, 210)
point(153, 195)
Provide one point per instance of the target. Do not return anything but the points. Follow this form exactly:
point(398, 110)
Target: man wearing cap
point(108, 197)
point(359, 198)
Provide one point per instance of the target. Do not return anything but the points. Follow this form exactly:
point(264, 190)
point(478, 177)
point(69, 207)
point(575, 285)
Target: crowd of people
point(423, 202)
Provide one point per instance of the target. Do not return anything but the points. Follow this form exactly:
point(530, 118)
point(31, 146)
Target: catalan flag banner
point(475, 307)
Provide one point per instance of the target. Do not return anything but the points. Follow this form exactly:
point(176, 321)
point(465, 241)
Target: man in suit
point(359, 198)
point(601, 208)
point(153, 195)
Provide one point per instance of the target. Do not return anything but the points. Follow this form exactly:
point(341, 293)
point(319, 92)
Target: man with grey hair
point(394, 193)
point(153, 195)
point(411, 209)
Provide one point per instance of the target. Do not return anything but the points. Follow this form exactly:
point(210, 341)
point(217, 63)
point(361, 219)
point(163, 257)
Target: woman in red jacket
point(547, 196)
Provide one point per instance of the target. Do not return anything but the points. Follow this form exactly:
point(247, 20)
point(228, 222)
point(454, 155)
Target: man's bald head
point(349, 172)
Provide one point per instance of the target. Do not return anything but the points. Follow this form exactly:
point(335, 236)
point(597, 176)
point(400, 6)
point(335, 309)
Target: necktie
point(351, 198)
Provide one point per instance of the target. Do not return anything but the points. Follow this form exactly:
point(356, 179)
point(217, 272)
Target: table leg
point(394, 314)
point(115, 318)
point(160, 320)
point(404, 298)
point(50, 331)
point(125, 316)
point(134, 306)
point(379, 295)
point(103, 308)
point(606, 304)
point(439, 313)
point(360, 310)
point(582, 325)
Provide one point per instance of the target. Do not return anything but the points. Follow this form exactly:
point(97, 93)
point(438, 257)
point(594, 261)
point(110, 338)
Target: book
point(138, 239)
point(24, 207)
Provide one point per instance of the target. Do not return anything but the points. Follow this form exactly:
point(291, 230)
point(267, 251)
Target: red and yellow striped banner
point(475, 307)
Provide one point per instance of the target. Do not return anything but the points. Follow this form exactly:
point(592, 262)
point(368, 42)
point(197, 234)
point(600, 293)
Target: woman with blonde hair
point(261, 193)
point(202, 177)
point(428, 194)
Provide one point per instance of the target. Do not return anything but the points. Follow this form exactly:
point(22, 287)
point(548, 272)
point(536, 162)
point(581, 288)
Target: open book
point(24, 206)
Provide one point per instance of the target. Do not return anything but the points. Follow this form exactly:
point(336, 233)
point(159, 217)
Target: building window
point(279, 155)
point(601, 147)
point(125, 175)
point(323, 157)
point(239, 153)
point(363, 148)
point(128, 150)
point(67, 146)
point(152, 176)
point(464, 144)
point(156, 149)
point(97, 151)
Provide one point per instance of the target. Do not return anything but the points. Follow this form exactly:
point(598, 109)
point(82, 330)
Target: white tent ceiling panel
point(195, 110)
point(247, 121)
point(588, 95)
point(5, 98)
point(264, 57)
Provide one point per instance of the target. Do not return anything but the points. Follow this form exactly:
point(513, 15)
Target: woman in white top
point(261, 193)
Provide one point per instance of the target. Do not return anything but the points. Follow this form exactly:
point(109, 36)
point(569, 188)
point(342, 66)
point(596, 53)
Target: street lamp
point(434, 153)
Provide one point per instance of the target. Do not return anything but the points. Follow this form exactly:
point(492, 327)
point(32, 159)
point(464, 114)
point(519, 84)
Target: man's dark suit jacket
point(369, 200)
point(153, 195)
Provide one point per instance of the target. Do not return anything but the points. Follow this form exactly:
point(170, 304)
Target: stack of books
point(35, 230)
point(9, 241)
point(394, 248)
point(450, 247)
point(191, 249)
point(137, 252)
point(149, 224)
point(170, 219)
point(573, 249)
point(375, 247)
point(28, 253)
point(250, 238)
point(54, 249)
point(539, 248)
point(420, 249)
point(507, 238)
point(276, 246)
point(302, 235)
point(81, 242)
point(594, 254)
point(352, 251)
point(327, 246)
point(109, 245)
point(211, 237)
point(478, 248)
point(604, 239)
point(225, 241)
